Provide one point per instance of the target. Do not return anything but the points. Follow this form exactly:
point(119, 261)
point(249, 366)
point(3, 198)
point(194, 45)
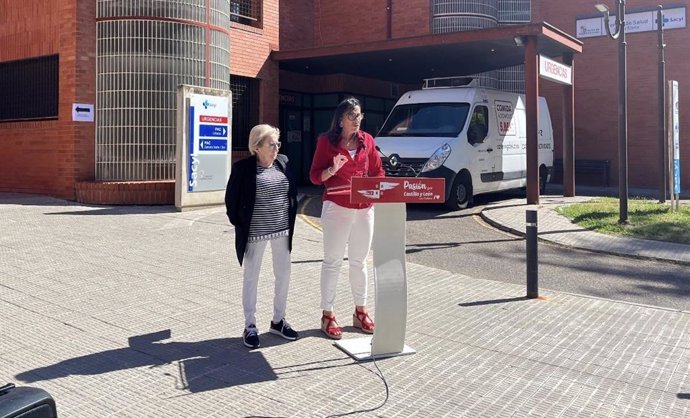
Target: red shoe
point(330, 327)
point(362, 321)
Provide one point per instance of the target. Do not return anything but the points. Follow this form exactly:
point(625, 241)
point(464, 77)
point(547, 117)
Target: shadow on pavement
point(492, 301)
point(201, 366)
point(90, 210)
point(320, 260)
point(415, 248)
point(85, 209)
point(31, 200)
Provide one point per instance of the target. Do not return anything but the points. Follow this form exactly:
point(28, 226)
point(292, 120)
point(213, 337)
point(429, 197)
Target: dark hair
point(346, 106)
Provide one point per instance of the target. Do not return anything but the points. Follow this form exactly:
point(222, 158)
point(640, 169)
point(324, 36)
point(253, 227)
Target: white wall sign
point(634, 22)
point(555, 71)
point(82, 112)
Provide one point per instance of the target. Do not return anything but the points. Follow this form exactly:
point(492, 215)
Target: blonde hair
point(259, 133)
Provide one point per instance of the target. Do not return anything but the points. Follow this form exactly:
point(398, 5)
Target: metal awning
point(410, 60)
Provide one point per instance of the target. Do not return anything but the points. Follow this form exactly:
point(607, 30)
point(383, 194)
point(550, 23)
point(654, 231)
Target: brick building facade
point(50, 156)
point(596, 91)
point(55, 156)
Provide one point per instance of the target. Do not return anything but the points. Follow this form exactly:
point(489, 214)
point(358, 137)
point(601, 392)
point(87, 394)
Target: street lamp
point(662, 103)
point(622, 104)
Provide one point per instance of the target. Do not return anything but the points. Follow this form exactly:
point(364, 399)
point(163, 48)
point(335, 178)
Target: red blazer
point(366, 163)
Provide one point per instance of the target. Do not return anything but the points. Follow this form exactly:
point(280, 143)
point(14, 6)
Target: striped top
point(270, 217)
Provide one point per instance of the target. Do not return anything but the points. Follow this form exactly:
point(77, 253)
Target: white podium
point(389, 195)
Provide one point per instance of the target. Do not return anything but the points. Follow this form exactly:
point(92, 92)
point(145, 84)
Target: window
point(245, 110)
point(246, 12)
point(479, 125)
point(29, 89)
point(426, 119)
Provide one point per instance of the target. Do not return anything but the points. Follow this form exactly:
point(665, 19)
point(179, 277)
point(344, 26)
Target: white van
point(473, 137)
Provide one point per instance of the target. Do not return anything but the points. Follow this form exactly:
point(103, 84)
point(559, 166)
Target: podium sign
point(397, 189)
point(390, 194)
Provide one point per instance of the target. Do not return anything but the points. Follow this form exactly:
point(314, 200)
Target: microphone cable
point(385, 384)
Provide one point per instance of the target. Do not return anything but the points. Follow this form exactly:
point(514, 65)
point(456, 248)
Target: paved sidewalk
point(135, 312)
point(510, 216)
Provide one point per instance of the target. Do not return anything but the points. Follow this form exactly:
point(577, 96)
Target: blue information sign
point(209, 143)
point(675, 134)
point(213, 144)
point(193, 157)
point(213, 130)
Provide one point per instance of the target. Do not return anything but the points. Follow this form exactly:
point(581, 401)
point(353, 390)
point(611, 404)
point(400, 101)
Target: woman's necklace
point(351, 142)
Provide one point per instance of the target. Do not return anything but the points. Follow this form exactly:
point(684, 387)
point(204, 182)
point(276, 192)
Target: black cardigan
point(240, 196)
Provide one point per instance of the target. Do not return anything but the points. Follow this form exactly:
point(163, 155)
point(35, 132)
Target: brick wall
point(250, 51)
point(349, 21)
point(596, 92)
point(126, 192)
point(56, 157)
point(352, 21)
point(411, 18)
point(84, 69)
point(296, 24)
point(47, 157)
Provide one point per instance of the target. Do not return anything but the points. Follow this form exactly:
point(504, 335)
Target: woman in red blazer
point(342, 153)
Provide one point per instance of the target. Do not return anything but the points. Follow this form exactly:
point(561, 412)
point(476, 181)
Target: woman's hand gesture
point(338, 161)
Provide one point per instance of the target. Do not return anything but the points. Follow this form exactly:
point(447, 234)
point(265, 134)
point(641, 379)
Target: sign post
point(389, 194)
point(674, 129)
point(203, 146)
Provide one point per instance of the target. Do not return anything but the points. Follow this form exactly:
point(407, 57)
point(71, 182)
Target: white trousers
point(281, 270)
point(354, 228)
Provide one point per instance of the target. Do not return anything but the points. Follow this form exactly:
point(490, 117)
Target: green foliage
point(647, 219)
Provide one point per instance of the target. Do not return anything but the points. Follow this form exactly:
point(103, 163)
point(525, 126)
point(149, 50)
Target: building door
point(292, 140)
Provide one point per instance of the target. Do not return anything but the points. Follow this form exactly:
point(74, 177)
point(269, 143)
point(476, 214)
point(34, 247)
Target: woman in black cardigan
point(261, 202)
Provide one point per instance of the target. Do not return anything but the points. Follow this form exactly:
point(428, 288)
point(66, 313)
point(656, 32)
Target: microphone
point(385, 157)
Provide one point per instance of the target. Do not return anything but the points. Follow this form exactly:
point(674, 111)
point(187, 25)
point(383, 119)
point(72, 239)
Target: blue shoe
point(250, 336)
point(283, 329)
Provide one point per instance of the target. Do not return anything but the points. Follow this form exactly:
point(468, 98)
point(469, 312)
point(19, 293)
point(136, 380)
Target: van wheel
point(542, 180)
point(461, 192)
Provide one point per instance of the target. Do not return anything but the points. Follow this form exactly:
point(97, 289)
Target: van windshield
point(426, 119)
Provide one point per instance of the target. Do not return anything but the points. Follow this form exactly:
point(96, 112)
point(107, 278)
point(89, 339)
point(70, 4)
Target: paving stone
point(136, 312)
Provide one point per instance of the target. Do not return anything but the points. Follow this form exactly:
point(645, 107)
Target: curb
point(519, 233)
